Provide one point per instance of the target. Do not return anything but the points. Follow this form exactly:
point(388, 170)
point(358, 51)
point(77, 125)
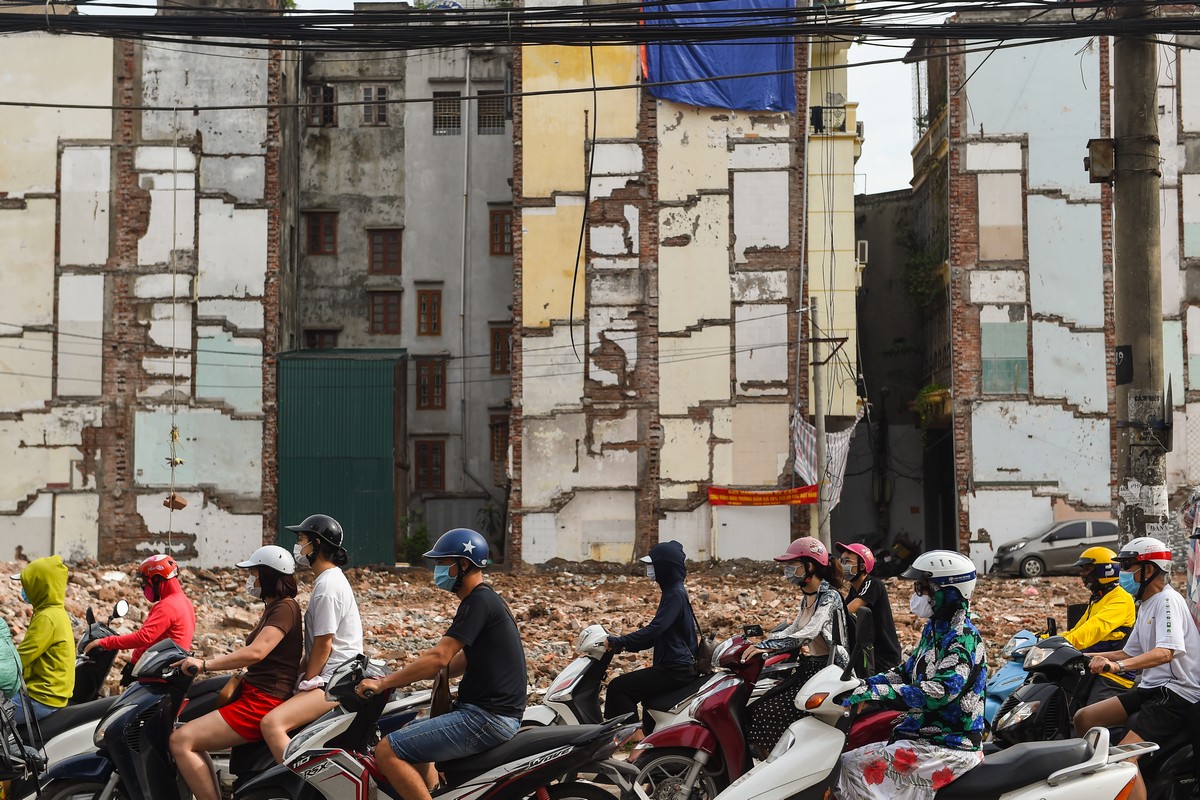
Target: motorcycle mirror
point(864, 637)
point(120, 609)
point(90, 616)
point(752, 630)
point(1051, 626)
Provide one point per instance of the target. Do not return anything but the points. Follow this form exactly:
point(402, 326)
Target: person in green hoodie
point(48, 650)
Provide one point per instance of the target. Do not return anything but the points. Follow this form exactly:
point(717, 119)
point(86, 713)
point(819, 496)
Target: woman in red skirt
point(271, 659)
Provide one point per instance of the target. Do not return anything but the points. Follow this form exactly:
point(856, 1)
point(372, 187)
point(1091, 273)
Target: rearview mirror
point(120, 609)
point(864, 627)
point(89, 615)
point(1051, 626)
point(752, 630)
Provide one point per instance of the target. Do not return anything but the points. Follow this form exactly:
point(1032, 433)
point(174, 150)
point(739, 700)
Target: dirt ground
point(403, 612)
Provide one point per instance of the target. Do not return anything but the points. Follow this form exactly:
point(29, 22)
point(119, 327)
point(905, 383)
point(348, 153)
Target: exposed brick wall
point(1106, 254)
point(120, 526)
point(512, 550)
point(965, 361)
point(272, 335)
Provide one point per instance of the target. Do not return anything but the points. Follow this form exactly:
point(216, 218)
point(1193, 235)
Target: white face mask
point(790, 572)
point(650, 571)
point(253, 590)
point(921, 605)
point(301, 559)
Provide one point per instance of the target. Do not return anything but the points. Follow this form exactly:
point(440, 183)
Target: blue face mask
point(1128, 582)
point(443, 578)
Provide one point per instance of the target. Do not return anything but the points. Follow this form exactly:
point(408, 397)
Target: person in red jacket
point(172, 615)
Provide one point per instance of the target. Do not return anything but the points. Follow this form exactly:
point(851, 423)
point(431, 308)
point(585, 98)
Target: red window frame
point(320, 233)
point(429, 457)
point(429, 312)
point(501, 360)
point(385, 246)
point(431, 384)
point(500, 231)
point(385, 313)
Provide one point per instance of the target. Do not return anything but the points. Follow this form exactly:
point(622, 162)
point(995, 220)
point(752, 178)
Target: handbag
point(232, 689)
point(439, 701)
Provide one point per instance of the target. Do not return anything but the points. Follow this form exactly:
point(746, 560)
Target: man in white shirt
point(1164, 647)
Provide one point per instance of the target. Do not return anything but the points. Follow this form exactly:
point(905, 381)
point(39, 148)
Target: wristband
point(204, 666)
point(1120, 666)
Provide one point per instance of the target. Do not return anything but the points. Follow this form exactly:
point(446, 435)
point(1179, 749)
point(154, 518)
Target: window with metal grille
point(375, 105)
point(431, 465)
point(500, 227)
point(385, 312)
point(320, 340)
point(384, 256)
point(431, 384)
point(322, 233)
point(429, 312)
point(321, 111)
point(447, 113)
point(489, 113)
point(501, 354)
point(498, 426)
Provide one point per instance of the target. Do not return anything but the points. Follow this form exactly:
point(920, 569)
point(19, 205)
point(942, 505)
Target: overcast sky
point(884, 96)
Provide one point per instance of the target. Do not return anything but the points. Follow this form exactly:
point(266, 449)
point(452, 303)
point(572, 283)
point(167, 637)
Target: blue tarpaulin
point(673, 61)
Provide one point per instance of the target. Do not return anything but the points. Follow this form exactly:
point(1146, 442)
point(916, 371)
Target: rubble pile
point(403, 612)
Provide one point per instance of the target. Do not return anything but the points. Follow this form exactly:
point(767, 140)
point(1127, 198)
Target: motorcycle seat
point(665, 702)
point(527, 742)
point(65, 719)
point(1018, 766)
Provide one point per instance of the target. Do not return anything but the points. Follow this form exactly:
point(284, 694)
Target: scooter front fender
point(687, 735)
point(806, 765)
point(83, 767)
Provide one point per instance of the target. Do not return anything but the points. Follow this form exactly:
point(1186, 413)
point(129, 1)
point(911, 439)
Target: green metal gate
point(341, 420)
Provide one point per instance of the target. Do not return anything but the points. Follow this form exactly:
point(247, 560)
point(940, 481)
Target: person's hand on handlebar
point(752, 652)
point(1100, 664)
point(368, 688)
point(189, 666)
point(90, 646)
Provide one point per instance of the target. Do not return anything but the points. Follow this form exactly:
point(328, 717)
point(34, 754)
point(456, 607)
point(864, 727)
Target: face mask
point(1128, 582)
point(650, 571)
point(252, 590)
point(443, 578)
point(789, 572)
point(148, 592)
point(24, 596)
point(301, 559)
point(849, 571)
point(921, 605)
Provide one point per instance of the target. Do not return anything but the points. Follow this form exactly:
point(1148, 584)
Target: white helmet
point(944, 568)
point(1146, 548)
point(273, 556)
point(591, 641)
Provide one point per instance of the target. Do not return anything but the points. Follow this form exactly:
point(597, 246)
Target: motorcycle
point(1059, 683)
point(699, 757)
point(131, 759)
point(805, 762)
point(334, 759)
point(1011, 674)
point(574, 696)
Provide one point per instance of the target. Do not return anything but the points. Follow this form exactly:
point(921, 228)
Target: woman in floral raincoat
point(941, 685)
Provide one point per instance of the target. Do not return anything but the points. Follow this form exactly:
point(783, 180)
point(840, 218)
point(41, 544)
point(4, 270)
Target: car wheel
point(1032, 567)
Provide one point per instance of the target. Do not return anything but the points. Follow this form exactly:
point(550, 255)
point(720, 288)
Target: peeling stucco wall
point(660, 358)
point(102, 346)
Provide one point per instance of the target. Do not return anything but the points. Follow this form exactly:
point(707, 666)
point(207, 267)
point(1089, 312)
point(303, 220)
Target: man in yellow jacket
point(1108, 620)
point(48, 649)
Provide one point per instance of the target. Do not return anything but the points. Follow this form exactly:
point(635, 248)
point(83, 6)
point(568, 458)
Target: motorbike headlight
point(1010, 647)
point(719, 686)
point(1022, 712)
point(121, 716)
point(1035, 656)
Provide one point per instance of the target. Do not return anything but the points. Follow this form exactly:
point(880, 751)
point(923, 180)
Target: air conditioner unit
point(860, 252)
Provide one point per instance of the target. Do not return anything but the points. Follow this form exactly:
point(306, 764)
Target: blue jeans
point(40, 710)
point(463, 732)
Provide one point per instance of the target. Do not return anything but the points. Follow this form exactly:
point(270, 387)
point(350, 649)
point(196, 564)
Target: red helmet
point(158, 566)
point(863, 552)
point(806, 547)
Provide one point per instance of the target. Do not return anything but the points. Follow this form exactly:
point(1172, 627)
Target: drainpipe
point(462, 294)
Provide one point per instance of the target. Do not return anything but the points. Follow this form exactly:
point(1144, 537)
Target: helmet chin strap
point(462, 573)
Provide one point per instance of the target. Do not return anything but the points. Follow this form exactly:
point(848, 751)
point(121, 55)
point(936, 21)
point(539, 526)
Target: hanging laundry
point(837, 451)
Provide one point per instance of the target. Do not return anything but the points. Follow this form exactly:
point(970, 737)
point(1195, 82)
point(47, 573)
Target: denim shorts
point(465, 731)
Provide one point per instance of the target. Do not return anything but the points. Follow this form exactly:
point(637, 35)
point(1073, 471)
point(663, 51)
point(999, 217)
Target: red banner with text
point(800, 495)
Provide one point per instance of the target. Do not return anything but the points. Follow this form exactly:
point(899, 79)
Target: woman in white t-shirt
point(332, 628)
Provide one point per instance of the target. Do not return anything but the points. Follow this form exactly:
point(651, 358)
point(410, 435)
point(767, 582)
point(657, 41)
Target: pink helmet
point(806, 547)
point(863, 552)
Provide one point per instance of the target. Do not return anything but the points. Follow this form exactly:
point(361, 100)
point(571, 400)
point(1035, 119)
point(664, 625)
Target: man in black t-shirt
point(863, 590)
point(484, 646)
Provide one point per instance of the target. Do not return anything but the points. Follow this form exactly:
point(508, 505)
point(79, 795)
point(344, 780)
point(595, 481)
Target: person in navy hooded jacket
point(673, 633)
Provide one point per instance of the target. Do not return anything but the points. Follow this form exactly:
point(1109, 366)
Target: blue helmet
point(461, 543)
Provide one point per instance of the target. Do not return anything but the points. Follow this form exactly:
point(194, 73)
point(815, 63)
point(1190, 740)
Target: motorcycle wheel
point(662, 772)
point(77, 790)
point(577, 791)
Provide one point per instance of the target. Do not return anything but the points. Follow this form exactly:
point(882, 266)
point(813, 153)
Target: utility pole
point(815, 337)
point(1142, 417)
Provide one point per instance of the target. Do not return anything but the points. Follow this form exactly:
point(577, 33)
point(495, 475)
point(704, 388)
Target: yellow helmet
point(1104, 562)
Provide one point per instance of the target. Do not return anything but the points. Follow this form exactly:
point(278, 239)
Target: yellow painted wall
point(553, 127)
point(551, 252)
